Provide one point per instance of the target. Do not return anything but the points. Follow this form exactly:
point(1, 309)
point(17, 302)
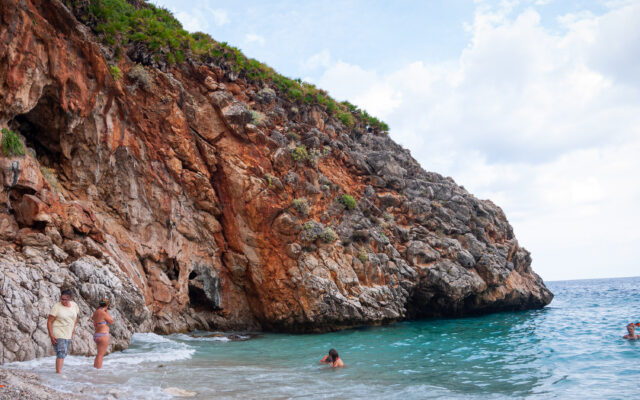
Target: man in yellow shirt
point(62, 321)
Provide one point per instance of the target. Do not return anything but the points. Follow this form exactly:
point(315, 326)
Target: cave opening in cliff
point(198, 298)
point(42, 127)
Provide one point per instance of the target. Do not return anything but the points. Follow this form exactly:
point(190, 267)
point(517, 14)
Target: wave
point(202, 336)
point(145, 348)
point(150, 347)
point(195, 338)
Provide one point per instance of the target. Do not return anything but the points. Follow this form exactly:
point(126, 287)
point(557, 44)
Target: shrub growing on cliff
point(346, 118)
point(348, 201)
point(293, 135)
point(294, 94)
point(314, 156)
point(141, 76)
point(269, 179)
point(362, 256)
point(301, 206)
point(115, 72)
point(328, 235)
point(257, 118)
point(11, 144)
point(311, 230)
point(300, 153)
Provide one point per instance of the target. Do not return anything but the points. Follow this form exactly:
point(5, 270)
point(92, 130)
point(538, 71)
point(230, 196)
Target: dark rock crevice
point(43, 127)
point(204, 289)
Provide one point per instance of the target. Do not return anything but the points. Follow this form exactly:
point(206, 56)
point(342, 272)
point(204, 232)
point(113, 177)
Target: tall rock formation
point(196, 197)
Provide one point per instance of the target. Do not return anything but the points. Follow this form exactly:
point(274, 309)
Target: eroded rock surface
point(162, 192)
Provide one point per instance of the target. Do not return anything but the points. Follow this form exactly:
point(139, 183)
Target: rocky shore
point(18, 384)
point(195, 196)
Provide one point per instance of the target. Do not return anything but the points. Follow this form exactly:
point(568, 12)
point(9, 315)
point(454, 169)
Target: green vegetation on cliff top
point(120, 24)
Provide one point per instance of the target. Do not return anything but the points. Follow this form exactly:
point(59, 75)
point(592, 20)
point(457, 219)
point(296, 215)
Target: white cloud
point(253, 38)
point(220, 17)
point(545, 123)
point(321, 59)
point(344, 80)
point(198, 19)
point(191, 22)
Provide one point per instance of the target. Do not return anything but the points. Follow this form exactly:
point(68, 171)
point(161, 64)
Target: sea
point(571, 349)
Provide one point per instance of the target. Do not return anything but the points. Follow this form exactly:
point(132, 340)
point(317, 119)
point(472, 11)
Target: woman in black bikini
point(101, 318)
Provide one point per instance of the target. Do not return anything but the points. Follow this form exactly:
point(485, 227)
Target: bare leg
point(103, 345)
point(59, 362)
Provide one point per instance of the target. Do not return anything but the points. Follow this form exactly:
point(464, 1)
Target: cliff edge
point(199, 195)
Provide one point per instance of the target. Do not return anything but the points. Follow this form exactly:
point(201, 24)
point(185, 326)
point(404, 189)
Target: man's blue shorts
point(61, 347)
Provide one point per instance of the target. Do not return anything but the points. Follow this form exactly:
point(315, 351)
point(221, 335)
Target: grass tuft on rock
point(11, 144)
point(348, 201)
point(115, 72)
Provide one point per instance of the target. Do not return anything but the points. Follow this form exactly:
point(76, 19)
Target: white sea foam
point(121, 369)
point(148, 348)
point(182, 336)
point(164, 355)
point(46, 362)
point(149, 337)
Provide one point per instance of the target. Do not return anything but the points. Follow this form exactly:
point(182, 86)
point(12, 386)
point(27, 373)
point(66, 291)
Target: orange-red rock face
point(164, 176)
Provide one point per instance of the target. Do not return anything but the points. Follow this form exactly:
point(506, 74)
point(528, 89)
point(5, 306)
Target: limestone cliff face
point(172, 192)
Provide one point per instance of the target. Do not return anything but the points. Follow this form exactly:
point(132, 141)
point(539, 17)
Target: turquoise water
point(571, 349)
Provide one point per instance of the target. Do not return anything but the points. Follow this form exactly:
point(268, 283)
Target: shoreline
point(26, 385)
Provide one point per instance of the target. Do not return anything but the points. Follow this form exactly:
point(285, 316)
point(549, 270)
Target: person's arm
point(74, 327)
point(50, 329)
point(324, 359)
point(76, 321)
point(108, 317)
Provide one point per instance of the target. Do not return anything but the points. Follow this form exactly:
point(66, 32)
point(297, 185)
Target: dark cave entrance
point(43, 126)
point(198, 297)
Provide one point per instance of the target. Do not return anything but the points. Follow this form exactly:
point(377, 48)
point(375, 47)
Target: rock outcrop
point(170, 189)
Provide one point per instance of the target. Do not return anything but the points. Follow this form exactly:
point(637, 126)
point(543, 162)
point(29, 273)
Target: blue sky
point(532, 104)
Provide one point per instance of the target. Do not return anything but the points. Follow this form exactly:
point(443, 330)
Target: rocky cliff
point(198, 197)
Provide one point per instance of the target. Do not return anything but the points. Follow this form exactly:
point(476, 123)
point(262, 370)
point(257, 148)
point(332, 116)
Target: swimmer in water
point(332, 359)
point(631, 328)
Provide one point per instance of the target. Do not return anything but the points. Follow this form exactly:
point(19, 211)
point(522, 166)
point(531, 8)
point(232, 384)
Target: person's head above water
point(333, 355)
point(631, 328)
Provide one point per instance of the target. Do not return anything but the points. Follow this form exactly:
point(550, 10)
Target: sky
point(534, 104)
